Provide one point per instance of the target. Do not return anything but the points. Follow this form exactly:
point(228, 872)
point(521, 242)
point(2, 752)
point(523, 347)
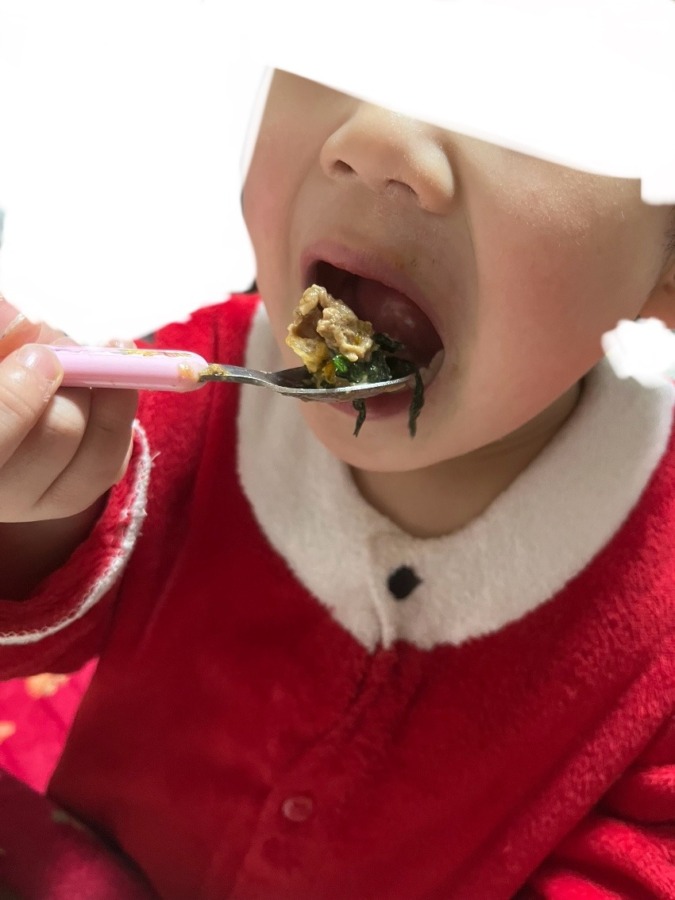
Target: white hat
point(585, 83)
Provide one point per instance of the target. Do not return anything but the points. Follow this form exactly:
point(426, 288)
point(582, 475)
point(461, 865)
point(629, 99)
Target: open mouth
point(388, 310)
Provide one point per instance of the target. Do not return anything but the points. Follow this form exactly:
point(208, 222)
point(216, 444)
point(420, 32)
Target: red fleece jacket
point(236, 741)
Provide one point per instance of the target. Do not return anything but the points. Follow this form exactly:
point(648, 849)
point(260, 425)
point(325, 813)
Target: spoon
point(181, 370)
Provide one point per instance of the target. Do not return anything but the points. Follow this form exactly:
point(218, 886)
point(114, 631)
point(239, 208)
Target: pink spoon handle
point(114, 367)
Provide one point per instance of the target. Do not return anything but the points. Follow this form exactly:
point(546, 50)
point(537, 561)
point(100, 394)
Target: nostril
point(342, 168)
point(393, 186)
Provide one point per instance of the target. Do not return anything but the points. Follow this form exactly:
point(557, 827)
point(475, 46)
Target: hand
point(60, 450)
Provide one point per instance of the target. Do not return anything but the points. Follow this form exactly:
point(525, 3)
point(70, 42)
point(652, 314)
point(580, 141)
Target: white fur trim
point(644, 350)
point(133, 517)
point(520, 552)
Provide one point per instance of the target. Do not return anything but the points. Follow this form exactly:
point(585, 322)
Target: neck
point(445, 497)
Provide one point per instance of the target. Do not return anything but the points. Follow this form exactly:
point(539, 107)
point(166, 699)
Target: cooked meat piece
point(344, 333)
point(324, 327)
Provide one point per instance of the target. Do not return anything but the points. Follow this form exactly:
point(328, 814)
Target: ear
point(661, 302)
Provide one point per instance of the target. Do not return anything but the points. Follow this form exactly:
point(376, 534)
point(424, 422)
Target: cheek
point(542, 306)
point(266, 206)
point(556, 242)
point(556, 291)
point(261, 204)
point(266, 209)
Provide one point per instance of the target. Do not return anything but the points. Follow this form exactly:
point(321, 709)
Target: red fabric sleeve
point(64, 622)
point(60, 626)
point(626, 847)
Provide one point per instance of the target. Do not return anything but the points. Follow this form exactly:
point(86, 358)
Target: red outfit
point(248, 734)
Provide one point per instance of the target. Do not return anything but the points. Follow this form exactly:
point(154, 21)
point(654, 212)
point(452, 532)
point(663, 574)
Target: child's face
point(520, 264)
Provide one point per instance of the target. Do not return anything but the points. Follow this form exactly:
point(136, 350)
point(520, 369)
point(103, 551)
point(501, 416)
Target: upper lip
point(368, 263)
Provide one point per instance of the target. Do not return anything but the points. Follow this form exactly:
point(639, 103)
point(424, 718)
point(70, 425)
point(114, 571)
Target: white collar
point(535, 537)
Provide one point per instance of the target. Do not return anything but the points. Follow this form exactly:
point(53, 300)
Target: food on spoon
point(323, 328)
point(337, 348)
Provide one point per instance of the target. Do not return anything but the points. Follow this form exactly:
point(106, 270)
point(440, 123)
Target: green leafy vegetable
point(416, 404)
point(381, 367)
point(341, 364)
point(386, 343)
point(360, 407)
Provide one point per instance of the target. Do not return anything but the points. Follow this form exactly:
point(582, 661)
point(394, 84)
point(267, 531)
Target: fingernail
point(5, 304)
point(38, 359)
point(13, 324)
point(7, 311)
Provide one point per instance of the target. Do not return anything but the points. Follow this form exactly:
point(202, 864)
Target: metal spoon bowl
point(293, 383)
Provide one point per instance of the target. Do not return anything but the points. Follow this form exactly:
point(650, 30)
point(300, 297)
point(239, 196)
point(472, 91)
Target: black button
point(402, 582)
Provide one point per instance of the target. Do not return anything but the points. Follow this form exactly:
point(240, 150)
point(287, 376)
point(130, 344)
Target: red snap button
point(297, 809)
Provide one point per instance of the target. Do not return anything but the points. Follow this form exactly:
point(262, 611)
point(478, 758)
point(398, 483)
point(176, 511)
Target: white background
point(122, 126)
point(123, 121)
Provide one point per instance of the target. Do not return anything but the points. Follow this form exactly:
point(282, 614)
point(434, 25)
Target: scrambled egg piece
point(324, 327)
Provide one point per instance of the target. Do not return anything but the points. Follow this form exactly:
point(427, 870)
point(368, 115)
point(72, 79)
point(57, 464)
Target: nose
point(391, 154)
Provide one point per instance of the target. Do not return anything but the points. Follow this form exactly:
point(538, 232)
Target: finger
point(28, 381)
point(20, 331)
point(49, 335)
point(8, 312)
point(102, 455)
point(44, 454)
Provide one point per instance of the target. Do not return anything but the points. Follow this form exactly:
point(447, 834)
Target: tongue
point(394, 314)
